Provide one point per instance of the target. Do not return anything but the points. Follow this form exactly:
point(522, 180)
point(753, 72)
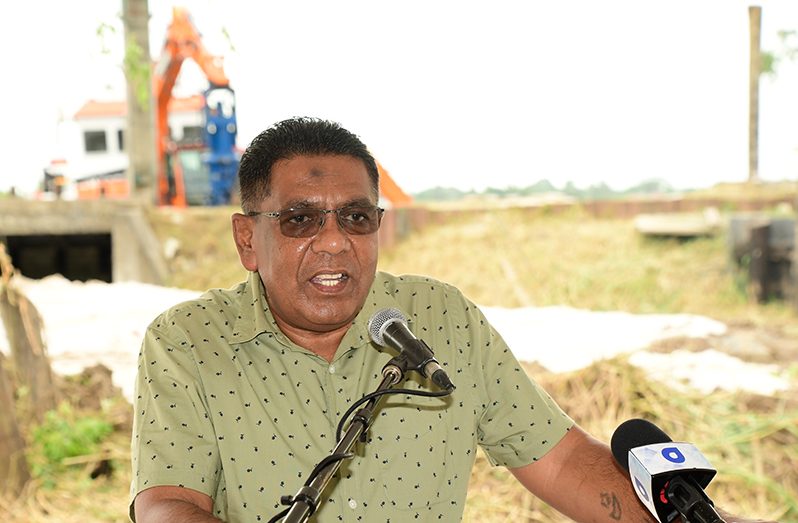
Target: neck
point(323, 344)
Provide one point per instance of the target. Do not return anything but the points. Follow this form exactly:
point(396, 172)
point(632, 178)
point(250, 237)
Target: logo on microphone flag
point(651, 466)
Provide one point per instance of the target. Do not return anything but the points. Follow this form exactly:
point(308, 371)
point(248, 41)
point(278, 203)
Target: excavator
point(183, 41)
point(217, 149)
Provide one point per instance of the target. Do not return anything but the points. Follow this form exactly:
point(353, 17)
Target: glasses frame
point(323, 214)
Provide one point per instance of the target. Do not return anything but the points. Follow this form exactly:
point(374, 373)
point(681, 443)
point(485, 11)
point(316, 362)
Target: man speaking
point(239, 392)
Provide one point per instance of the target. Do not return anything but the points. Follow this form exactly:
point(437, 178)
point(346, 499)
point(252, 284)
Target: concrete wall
point(136, 252)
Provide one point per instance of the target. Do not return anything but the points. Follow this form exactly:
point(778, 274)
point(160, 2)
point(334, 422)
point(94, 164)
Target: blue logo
point(673, 455)
point(641, 488)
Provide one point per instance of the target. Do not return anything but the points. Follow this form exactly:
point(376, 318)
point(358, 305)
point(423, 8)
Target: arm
point(168, 503)
point(172, 441)
point(579, 478)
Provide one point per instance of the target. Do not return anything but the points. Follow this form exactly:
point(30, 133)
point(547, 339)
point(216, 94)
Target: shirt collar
point(255, 317)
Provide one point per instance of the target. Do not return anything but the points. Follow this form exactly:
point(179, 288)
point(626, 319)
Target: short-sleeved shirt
point(227, 405)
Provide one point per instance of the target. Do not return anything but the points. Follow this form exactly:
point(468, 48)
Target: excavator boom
point(183, 41)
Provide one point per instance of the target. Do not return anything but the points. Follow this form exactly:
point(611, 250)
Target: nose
point(330, 238)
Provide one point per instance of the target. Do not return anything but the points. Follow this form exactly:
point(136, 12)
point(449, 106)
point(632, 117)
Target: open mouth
point(330, 279)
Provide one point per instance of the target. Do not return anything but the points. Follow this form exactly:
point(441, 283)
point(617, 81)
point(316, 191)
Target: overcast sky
point(445, 93)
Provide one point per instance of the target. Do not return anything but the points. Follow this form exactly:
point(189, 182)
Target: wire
point(378, 393)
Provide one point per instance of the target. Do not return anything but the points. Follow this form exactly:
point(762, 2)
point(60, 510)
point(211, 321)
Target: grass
point(522, 257)
point(519, 257)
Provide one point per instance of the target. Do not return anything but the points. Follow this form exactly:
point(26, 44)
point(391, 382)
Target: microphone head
point(634, 433)
point(380, 320)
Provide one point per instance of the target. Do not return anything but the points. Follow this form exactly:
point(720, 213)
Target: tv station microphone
point(669, 477)
point(388, 328)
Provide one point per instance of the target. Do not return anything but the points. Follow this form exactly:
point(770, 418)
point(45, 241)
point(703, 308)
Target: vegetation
point(601, 191)
point(531, 258)
point(65, 434)
point(593, 192)
point(519, 257)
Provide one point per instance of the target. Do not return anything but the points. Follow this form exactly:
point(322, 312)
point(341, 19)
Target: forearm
point(581, 479)
point(174, 510)
point(175, 504)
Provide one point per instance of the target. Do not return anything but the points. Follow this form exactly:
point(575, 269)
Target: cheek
point(284, 260)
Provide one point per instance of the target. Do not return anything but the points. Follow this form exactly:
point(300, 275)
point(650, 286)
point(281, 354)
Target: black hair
point(296, 137)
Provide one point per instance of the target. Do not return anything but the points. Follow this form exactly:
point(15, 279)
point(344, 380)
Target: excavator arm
point(182, 41)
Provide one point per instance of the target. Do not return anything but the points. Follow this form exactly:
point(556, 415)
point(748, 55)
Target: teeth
point(329, 280)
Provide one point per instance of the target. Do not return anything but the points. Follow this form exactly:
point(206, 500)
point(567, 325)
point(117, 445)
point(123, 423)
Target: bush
point(65, 434)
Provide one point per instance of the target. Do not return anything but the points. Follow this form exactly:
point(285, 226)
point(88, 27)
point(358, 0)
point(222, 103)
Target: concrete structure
point(106, 240)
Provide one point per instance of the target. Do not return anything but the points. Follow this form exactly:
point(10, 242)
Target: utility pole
point(755, 70)
point(140, 113)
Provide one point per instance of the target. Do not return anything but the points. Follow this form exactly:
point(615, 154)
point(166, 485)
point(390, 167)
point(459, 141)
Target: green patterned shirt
point(227, 405)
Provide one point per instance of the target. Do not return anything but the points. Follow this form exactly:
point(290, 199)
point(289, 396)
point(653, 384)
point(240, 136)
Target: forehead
point(323, 178)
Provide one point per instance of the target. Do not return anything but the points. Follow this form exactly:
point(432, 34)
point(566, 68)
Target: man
point(240, 391)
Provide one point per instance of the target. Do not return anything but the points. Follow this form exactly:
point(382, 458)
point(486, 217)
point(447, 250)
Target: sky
point(455, 93)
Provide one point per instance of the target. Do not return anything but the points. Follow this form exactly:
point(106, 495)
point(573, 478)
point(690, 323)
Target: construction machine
point(202, 172)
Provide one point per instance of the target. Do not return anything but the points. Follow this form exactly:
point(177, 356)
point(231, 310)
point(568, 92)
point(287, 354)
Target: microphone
point(388, 328)
point(669, 477)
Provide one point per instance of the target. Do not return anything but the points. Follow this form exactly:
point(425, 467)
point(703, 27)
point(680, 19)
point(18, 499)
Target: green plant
point(65, 434)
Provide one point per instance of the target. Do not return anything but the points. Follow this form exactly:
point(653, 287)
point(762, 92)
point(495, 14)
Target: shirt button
point(352, 504)
point(332, 369)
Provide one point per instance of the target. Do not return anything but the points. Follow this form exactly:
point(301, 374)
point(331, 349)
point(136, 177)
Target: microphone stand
point(306, 500)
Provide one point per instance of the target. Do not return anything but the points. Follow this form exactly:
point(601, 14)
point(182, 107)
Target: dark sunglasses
point(306, 222)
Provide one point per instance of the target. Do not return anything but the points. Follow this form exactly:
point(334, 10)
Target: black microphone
point(669, 477)
point(388, 328)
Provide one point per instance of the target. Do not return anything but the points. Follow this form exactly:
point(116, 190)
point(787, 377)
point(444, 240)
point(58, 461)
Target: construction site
point(681, 308)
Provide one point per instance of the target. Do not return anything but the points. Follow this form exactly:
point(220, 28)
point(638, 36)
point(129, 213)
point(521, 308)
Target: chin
point(331, 319)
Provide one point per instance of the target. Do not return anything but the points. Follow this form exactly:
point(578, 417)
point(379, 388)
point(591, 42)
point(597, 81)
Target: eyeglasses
point(306, 222)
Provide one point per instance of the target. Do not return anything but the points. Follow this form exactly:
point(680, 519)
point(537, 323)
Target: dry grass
point(200, 252)
point(573, 260)
point(583, 262)
point(752, 441)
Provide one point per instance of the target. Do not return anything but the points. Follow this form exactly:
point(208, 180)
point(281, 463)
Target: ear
point(243, 232)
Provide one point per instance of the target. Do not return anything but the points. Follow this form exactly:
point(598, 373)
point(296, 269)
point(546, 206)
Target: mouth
point(330, 280)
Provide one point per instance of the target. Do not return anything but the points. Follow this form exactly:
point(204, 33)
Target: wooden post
point(759, 276)
point(755, 69)
point(14, 471)
point(23, 327)
point(794, 265)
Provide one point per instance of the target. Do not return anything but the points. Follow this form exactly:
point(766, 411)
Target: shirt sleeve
point(520, 422)
point(173, 441)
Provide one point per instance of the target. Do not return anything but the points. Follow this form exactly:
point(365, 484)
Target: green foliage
point(596, 191)
point(771, 60)
point(104, 31)
point(65, 434)
point(137, 70)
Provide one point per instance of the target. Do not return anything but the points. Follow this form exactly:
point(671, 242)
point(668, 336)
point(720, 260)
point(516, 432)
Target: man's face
point(318, 283)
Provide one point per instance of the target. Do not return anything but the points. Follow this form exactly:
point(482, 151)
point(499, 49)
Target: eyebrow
point(310, 204)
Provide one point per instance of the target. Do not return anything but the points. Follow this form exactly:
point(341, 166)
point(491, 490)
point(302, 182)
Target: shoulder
point(416, 283)
point(427, 299)
point(210, 307)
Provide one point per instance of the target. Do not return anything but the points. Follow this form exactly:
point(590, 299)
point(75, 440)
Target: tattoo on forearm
point(611, 502)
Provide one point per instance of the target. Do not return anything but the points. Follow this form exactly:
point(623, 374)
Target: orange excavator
point(391, 191)
point(183, 41)
point(217, 149)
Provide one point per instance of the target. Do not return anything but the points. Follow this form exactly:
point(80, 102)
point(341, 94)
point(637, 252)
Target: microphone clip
point(416, 360)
